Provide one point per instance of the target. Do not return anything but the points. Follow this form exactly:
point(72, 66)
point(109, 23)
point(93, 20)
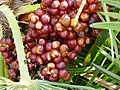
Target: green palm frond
point(37, 85)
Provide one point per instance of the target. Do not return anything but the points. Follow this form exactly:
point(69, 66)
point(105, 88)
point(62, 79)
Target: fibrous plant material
point(54, 37)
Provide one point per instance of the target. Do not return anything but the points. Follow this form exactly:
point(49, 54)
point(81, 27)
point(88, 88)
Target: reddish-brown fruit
point(39, 61)
point(77, 48)
point(55, 4)
point(9, 60)
point(57, 59)
point(34, 50)
point(42, 42)
point(63, 5)
point(40, 12)
point(72, 35)
point(53, 79)
point(45, 19)
point(28, 55)
point(65, 20)
point(65, 60)
point(28, 38)
point(77, 3)
point(78, 28)
point(32, 25)
point(14, 65)
point(31, 44)
point(72, 55)
point(64, 48)
point(54, 34)
point(59, 27)
point(50, 65)
point(3, 41)
point(70, 4)
point(92, 1)
point(72, 43)
point(93, 7)
point(54, 72)
point(40, 49)
point(3, 49)
point(53, 21)
point(88, 40)
point(62, 12)
point(54, 53)
point(63, 73)
point(72, 14)
point(12, 74)
point(67, 78)
point(9, 41)
point(81, 41)
point(48, 56)
point(33, 18)
point(84, 16)
point(34, 34)
point(54, 11)
point(38, 25)
point(6, 54)
point(43, 57)
point(33, 58)
point(85, 26)
point(45, 72)
point(47, 3)
point(56, 45)
point(48, 46)
point(30, 66)
point(60, 65)
point(45, 29)
point(64, 34)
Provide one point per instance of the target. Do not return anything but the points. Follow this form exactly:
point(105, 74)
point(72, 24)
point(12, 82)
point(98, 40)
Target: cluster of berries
point(54, 37)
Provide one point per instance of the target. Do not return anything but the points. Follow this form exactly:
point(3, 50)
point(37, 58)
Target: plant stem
point(80, 10)
point(24, 74)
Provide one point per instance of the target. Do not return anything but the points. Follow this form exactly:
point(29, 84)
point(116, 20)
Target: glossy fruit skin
point(40, 49)
point(39, 61)
point(57, 59)
point(84, 16)
point(72, 43)
point(54, 72)
point(40, 12)
point(53, 79)
point(47, 3)
point(50, 65)
point(65, 20)
point(53, 20)
point(93, 7)
point(12, 74)
point(45, 19)
point(64, 34)
point(55, 4)
point(72, 55)
point(48, 46)
point(54, 37)
point(63, 5)
point(77, 3)
point(64, 74)
point(60, 65)
point(54, 11)
point(3, 49)
point(56, 45)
